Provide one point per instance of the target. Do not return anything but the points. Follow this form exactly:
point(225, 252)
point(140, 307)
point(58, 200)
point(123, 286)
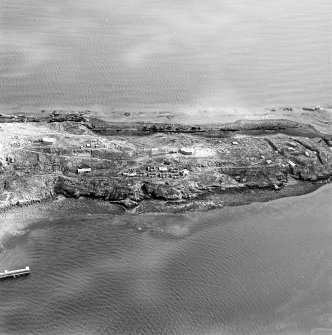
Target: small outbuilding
point(291, 163)
point(185, 172)
point(83, 170)
point(49, 140)
point(186, 151)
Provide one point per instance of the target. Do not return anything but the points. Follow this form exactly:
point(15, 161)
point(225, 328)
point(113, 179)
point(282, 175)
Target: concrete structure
point(10, 159)
point(83, 170)
point(186, 151)
point(92, 144)
point(185, 172)
point(291, 163)
point(130, 174)
point(163, 168)
point(49, 140)
point(15, 273)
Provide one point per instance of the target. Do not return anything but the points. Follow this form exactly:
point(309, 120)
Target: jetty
point(15, 273)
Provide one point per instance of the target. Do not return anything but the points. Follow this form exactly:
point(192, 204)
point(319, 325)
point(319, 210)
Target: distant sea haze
point(164, 55)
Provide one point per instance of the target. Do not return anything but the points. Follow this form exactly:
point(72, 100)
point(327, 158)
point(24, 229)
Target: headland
point(158, 167)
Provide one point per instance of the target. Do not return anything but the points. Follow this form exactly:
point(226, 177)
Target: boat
point(15, 273)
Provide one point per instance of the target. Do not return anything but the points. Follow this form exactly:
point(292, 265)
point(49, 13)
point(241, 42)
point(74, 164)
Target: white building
point(163, 168)
point(291, 163)
point(49, 140)
point(186, 151)
point(185, 172)
point(83, 170)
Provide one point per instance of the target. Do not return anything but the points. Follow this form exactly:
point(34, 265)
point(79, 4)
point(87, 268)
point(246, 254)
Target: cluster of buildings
point(312, 109)
point(10, 159)
point(88, 144)
point(15, 144)
point(149, 172)
point(163, 151)
point(157, 172)
point(92, 144)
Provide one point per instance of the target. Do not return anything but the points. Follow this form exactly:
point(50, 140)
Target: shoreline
point(149, 167)
point(321, 119)
point(16, 218)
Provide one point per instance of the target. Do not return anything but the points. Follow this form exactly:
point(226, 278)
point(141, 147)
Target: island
point(150, 167)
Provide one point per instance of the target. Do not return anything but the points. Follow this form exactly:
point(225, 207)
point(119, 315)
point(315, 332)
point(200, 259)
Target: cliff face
point(23, 190)
point(117, 163)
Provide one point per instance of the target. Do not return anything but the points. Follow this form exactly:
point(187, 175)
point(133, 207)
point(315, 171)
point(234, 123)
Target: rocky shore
point(158, 167)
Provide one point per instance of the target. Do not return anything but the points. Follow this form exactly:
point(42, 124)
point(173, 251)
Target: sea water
point(175, 55)
point(264, 268)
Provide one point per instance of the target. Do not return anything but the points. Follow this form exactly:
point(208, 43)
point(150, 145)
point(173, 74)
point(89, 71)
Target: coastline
point(320, 119)
point(15, 219)
point(229, 164)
